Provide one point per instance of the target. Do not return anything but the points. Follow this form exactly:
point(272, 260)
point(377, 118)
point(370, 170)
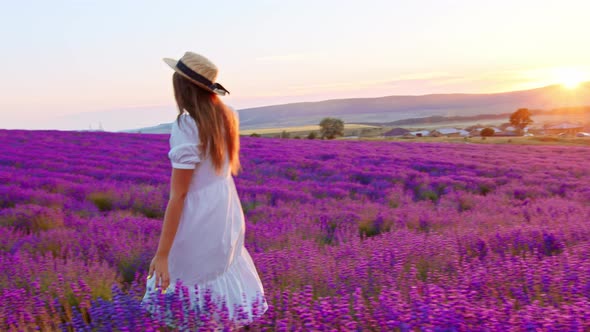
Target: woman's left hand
point(159, 268)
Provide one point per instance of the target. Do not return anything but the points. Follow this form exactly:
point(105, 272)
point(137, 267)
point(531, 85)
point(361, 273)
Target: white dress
point(208, 249)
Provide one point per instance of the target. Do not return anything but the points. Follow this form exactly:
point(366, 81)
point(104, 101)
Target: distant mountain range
point(409, 110)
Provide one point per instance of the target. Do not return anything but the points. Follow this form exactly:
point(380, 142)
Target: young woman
point(202, 239)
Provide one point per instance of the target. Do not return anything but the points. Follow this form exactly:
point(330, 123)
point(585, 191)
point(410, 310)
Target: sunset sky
point(71, 64)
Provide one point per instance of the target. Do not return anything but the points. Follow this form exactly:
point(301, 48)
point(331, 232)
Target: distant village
point(564, 129)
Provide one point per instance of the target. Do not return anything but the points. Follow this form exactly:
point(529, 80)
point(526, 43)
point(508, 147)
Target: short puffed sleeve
point(184, 143)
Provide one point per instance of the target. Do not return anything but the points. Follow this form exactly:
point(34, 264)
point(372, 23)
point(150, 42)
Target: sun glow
point(570, 78)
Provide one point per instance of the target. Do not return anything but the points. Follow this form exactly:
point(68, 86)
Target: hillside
point(396, 108)
point(162, 128)
point(562, 112)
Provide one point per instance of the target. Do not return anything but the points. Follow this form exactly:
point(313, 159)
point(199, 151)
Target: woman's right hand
point(159, 268)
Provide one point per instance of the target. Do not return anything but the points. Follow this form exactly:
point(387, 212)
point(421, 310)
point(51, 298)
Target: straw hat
point(199, 70)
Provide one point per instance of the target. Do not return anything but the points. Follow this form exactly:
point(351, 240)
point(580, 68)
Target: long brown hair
point(218, 125)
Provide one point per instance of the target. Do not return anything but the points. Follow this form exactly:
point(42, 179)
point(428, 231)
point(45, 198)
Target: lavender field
point(346, 235)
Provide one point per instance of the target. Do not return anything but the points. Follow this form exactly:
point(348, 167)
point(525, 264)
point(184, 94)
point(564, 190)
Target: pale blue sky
point(102, 59)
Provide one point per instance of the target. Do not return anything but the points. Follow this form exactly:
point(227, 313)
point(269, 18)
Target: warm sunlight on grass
point(570, 78)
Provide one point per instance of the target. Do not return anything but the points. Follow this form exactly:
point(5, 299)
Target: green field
point(351, 129)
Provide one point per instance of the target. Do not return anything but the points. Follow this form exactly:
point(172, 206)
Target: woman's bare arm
point(179, 184)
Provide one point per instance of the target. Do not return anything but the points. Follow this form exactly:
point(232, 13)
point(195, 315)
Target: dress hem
point(218, 285)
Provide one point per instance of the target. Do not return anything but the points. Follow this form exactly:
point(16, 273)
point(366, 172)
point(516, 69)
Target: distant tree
point(254, 135)
point(312, 135)
point(486, 132)
point(297, 137)
point(331, 127)
point(520, 119)
point(285, 134)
